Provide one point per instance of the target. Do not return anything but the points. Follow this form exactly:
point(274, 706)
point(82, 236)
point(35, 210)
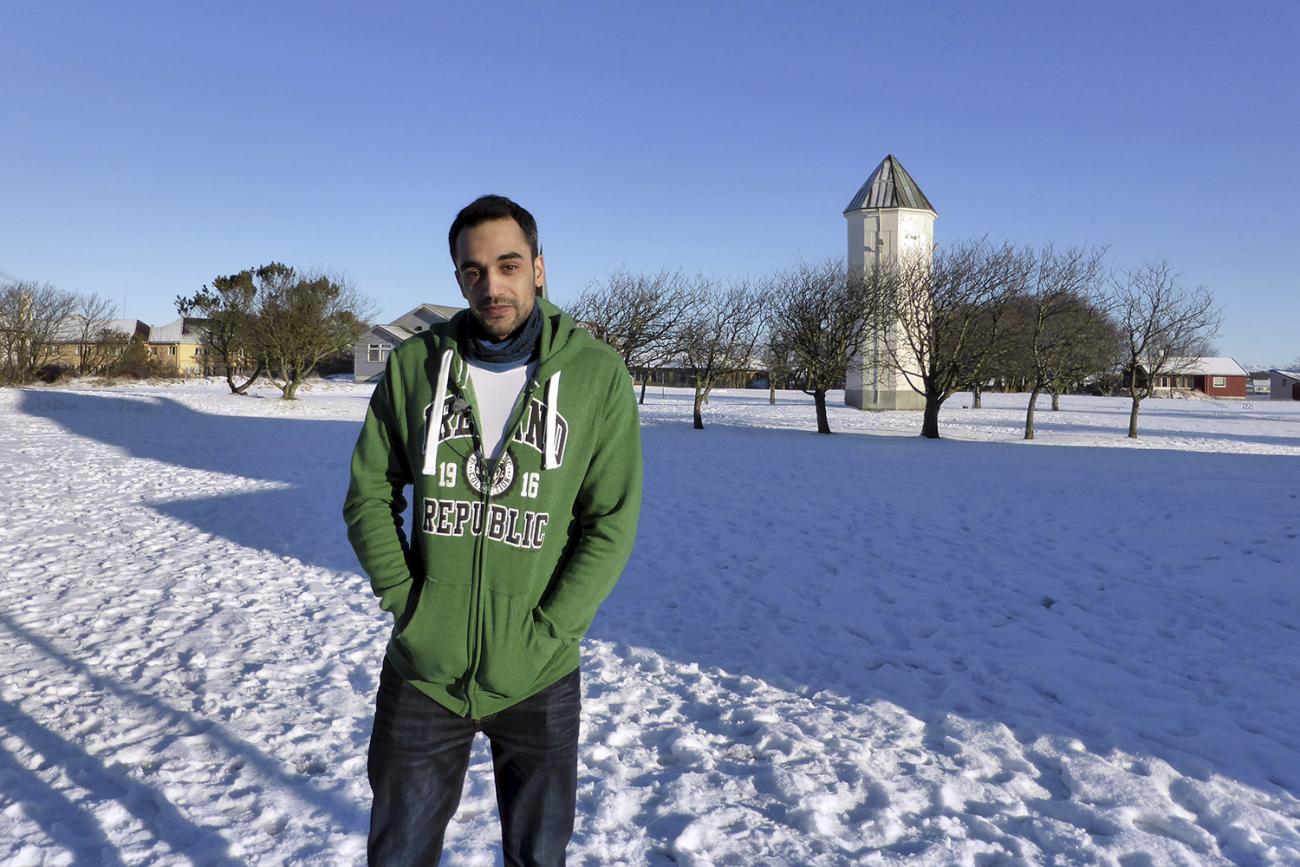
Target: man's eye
point(471, 274)
point(509, 267)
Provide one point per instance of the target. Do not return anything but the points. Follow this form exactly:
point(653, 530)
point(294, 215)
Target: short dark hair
point(484, 209)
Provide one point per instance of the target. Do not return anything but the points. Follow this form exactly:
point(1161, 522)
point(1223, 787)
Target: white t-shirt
point(496, 386)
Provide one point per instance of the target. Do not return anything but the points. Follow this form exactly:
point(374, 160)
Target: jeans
point(419, 752)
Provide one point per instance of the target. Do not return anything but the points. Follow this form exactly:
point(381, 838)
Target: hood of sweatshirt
point(560, 340)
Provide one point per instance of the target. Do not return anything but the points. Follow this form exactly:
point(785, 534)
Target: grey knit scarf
point(520, 345)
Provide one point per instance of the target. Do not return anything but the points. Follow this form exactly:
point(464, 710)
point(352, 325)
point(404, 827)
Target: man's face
point(497, 275)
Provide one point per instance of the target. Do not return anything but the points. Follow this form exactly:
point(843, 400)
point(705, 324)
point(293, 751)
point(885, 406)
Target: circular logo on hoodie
point(502, 476)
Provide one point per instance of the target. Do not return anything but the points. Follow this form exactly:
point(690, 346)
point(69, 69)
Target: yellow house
point(179, 346)
point(75, 348)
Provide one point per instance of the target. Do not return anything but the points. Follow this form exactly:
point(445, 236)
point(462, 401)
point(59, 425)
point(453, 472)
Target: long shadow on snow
point(1237, 411)
point(769, 553)
point(1135, 600)
point(306, 458)
point(65, 823)
point(71, 825)
point(1044, 424)
point(109, 783)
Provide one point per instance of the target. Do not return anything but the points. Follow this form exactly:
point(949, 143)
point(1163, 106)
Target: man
point(526, 501)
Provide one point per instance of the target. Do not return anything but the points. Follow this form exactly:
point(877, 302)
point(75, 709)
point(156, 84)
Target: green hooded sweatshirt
point(506, 567)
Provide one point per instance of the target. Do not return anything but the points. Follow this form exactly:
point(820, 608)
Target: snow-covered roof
point(71, 328)
point(890, 186)
point(1203, 366)
point(129, 327)
point(396, 333)
point(425, 315)
point(183, 330)
point(1289, 374)
point(443, 310)
point(1206, 366)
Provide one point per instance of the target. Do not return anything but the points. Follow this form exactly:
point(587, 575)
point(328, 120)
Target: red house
point(1213, 377)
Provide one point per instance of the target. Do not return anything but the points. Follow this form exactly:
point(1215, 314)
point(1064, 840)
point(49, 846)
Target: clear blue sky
point(147, 147)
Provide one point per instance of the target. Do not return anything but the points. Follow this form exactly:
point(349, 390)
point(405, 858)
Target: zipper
point(522, 404)
point(475, 638)
point(476, 614)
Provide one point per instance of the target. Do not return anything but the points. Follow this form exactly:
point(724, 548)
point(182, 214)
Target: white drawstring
point(551, 450)
point(433, 432)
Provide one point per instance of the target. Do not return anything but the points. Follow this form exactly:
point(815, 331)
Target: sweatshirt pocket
point(435, 638)
point(515, 647)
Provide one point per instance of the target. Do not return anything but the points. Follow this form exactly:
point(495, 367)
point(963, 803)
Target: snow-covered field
point(858, 649)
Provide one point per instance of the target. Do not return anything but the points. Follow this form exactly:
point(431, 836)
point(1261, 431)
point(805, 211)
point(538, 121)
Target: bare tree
point(818, 321)
point(31, 317)
point(993, 330)
point(1163, 324)
point(228, 312)
point(638, 315)
point(1059, 306)
point(1095, 350)
point(937, 321)
point(97, 347)
point(719, 336)
point(778, 358)
point(302, 318)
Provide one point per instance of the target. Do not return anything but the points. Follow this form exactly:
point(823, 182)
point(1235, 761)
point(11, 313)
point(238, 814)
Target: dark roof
point(890, 186)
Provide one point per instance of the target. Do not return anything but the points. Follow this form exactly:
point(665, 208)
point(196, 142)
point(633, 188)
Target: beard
point(497, 324)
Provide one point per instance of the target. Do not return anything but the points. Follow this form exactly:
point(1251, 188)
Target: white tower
point(889, 219)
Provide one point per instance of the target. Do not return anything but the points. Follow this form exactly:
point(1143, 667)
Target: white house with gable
point(370, 354)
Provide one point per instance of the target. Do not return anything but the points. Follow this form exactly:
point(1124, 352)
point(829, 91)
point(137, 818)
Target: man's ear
point(539, 273)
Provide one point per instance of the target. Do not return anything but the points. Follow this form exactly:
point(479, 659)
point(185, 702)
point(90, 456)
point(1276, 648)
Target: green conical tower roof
point(890, 186)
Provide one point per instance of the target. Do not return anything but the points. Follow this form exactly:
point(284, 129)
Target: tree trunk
point(291, 388)
point(930, 422)
point(1056, 401)
point(1029, 414)
point(976, 396)
point(819, 398)
point(242, 389)
point(699, 416)
point(1133, 419)
point(645, 377)
point(771, 391)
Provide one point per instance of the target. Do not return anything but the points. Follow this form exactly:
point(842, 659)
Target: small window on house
point(171, 350)
point(1220, 382)
point(372, 352)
